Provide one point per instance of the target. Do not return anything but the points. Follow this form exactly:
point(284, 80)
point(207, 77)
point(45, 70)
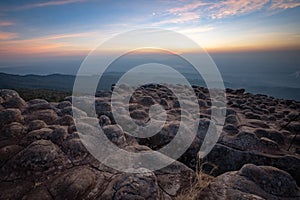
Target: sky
point(36, 29)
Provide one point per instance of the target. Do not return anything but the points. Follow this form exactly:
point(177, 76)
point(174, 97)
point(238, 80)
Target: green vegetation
point(49, 95)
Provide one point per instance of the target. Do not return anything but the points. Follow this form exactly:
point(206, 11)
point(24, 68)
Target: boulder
point(37, 101)
point(64, 104)
point(74, 148)
point(231, 129)
point(66, 120)
point(175, 178)
point(36, 124)
point(146, 101)
point(72, 184)
point(41, 156)
point(40, 192)
point(230, 159)
point(271, 134)
point(13, 130)
point(39, 106)
point(15, 190)
point(39, 134)
point(133, 186)
point(252, 182)
point(104, 120)
point(69, 110)
point(115, 134)
point(251, 115)
point(8, 152)
point(11, 99)
point(294, 127)
point(231, 119)
point(48, 116)
point(10, 115)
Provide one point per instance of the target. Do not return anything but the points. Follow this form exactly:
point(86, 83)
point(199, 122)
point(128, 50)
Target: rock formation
point(42, 155)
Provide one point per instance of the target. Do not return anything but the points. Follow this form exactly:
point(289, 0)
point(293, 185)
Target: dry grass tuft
point(202, 181)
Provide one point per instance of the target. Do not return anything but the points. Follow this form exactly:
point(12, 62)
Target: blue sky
point(36, 28)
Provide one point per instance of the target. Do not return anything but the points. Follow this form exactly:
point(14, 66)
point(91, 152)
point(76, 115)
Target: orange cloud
point(48, 44)
point(63, 36)
point(257, 42)
point(28, 46)
point(7, 35)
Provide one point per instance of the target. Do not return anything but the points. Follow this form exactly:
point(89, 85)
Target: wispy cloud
point(180, 18)
point(30, 46)
point(196, 30)
point(235, 7)
point(51, 43)
point(284, 4)
point(43, 4)
point(223, 9)
point(188, 7)
point(6, 23)
point(65, 36)
point(214, 10)
point(7, 35)
point(46, 38)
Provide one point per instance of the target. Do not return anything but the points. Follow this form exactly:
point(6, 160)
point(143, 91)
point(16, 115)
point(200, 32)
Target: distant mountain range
point(53, 82)
point(62, 82)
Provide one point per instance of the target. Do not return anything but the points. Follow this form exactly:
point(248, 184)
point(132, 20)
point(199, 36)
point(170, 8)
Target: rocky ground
point(42, 157)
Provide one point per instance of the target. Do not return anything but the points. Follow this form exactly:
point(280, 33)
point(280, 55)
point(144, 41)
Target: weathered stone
point(72, 184)
point(36, 124)
point(38, 193)
point(74, 148)
point(15, 189)
point(48, 116)
point(8, 152)
point(271, 134)
point(40, 156)
point(231, 119)
point(252, 182)
point(104, 120)
point(66, 120)
point(230, 128)
point(10, 115)
point(39, 134)
point(233, 159)
point(69, 110)
point(11, 99)
point(13, 130)
point(115, 134)
point(175, 178)
point(250, 115)
point(146, 101)
point(294, 127)
point(64, 104)
point(133, 186)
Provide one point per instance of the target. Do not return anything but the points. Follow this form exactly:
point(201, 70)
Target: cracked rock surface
point(42, 155)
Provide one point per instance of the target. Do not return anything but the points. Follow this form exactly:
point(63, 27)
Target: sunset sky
point(36, 28)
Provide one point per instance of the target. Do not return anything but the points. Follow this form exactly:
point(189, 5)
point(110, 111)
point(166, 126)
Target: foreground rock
point(42, 155)
point(252, 182)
